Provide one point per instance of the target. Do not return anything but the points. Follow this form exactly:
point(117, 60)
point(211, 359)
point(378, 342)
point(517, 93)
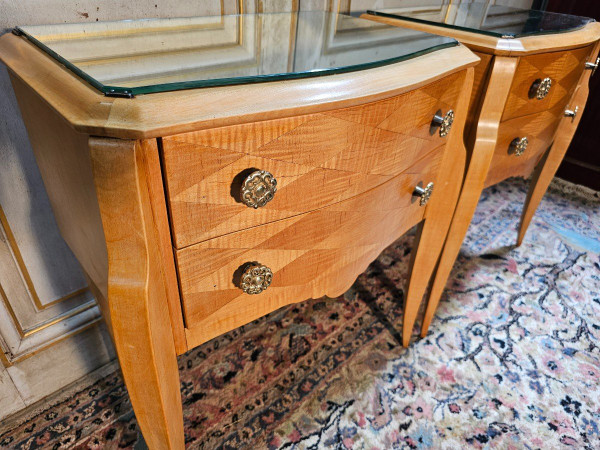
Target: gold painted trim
point(447, 11)
point(83, 63)
point(8, 363)
point(73, 312)
point(21, 263)
point(11, 312)
point(293, 31)
point(24, 333)
point(138, 31)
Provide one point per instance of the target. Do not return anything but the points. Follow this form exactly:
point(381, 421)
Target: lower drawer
point(310, 255)
point(538, 129)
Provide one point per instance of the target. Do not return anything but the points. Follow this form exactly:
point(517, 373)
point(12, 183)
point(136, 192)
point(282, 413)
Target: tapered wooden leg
point(137, 296)
point(432, 231)
point(503, 70)
point(549, 164)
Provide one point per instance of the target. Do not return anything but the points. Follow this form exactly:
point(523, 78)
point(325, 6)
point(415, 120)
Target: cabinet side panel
point(63, 158)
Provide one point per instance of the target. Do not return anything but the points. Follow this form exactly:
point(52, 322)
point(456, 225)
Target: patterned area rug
point(512, 359)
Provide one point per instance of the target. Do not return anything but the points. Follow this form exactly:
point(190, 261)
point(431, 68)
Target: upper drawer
point(562, 68)
point(317, 160)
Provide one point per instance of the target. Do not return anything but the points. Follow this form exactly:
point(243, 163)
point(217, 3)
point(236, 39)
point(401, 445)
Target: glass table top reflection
point(481, 17)
point(133, 57)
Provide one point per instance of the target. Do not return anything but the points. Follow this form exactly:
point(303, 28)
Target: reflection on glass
point(480, 17)
point(145, 56)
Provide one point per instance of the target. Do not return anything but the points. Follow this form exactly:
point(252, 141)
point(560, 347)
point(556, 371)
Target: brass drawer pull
point(540, 88)
point(256, 278)
point(572, 113)
point(593, 66)
point(443, 122)
point(258, 189)
point(518, 146)
point(423, 192)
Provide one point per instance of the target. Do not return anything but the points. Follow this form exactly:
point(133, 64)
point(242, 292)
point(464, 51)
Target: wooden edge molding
point(529, 45)
point(164, 114)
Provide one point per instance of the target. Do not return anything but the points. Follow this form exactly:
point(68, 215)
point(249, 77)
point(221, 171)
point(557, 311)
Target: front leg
point(137, 288)
point(503, 71)
point(433, 229)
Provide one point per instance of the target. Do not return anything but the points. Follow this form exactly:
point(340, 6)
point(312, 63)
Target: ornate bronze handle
point(423, 192)
point(519, 145)
point(540, 88)
point(256, 278)
point(258, 189)
point(572, 113)
point(444, 122)
point(593, 66)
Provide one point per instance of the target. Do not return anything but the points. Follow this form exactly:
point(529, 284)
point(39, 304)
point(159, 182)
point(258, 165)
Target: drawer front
point(539, 130)
point(317, 160)
point(310, 255)
point(563, 68)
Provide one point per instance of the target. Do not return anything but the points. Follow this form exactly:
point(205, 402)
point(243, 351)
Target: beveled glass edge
point(80, 73)
point(473, 30)
point(130, 92)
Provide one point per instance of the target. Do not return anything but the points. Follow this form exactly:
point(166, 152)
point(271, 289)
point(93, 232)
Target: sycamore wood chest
point(202, 192)
point(529, 93)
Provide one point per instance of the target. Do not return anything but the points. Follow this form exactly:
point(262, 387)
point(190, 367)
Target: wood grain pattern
point(168, 113)
point(137, 288)
point(481, 156)
point(313, 254)
point(538, 128)
point(564, 68)
point(317, 159)
point(529, 45)
point(547, 168)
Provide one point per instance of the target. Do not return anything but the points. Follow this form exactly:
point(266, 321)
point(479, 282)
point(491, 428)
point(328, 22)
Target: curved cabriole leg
point(432, 231)
point(137, 297)
point(499, 84)
point(547, 167)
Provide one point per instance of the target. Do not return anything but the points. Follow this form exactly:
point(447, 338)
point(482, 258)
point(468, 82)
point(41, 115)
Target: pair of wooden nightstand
point(197, 199)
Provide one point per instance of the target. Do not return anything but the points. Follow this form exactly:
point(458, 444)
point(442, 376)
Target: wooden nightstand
point(196, 211)
point(530, 90)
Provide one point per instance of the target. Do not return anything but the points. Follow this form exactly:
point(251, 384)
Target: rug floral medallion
point(511, 361)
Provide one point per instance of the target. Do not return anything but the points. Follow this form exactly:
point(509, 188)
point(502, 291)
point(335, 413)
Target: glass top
point(133, 57)
point(482, 18)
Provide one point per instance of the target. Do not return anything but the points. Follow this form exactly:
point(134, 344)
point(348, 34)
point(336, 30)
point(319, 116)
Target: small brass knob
point(443, 122)
point(256, 278)
point(593, 66)
point(519, 145)
point(423, 192)
point(572, 113)
point(540, 88)
point(258, 189)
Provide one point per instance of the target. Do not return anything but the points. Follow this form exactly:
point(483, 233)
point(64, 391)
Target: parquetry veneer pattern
point(317, 159)
point(311, 255)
